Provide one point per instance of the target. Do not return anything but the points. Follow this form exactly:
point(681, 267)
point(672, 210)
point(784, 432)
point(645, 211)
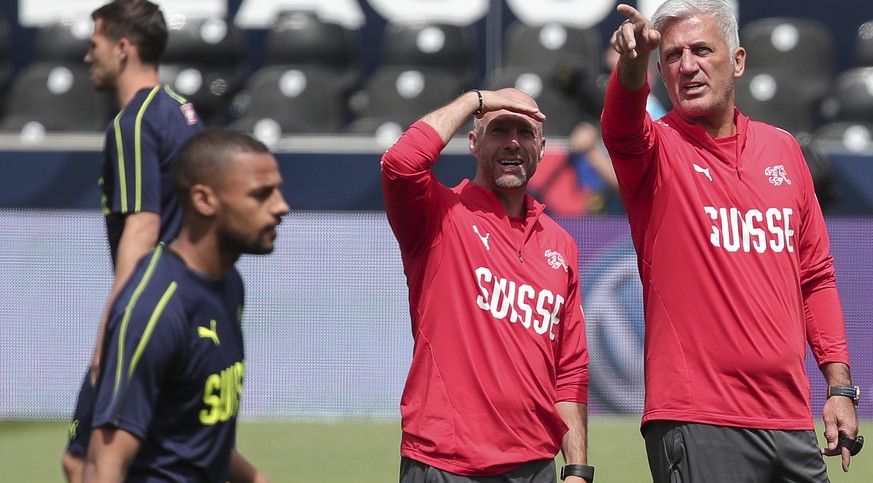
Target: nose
point(281, 208)
point(687, 64)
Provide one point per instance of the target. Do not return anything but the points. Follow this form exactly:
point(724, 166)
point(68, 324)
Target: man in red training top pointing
point(734, 259)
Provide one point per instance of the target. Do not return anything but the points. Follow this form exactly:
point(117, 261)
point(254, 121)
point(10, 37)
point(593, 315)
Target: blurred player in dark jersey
point(138, 202)
point(169, 388)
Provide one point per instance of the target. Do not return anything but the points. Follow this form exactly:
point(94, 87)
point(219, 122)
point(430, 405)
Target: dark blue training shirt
point(141, 144)
point(173, 366)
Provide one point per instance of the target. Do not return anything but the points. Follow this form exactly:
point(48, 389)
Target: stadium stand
point(561, 110)
point(451, 48)
point(774, 97)
point(205, 62)
point(856, 137)
point(852, 98)
point(803, 48)
point(291, 100)
point(299, 38)
point(864, 45)
point(65, 42)
point(5, 61)
point(546, 48)
point(49, 96)
point(398, 96)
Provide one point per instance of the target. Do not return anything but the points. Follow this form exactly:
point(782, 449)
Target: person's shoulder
point(552, 226)
point(769, 133)
point(151, 290)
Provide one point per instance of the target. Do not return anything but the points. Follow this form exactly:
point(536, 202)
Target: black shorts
point(80, 426)
point(688, 452)
point(540, 471)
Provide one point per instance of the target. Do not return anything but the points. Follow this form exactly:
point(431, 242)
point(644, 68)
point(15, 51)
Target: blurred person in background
point(125, 48)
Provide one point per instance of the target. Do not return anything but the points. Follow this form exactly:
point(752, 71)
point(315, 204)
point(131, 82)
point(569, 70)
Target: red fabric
point(557, 186)
point(496, 319)
point(731, 248)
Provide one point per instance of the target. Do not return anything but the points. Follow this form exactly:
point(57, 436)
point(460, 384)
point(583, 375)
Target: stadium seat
point(773, 97)
point(205, 62)
point(55, 97)
point(864, 45)
point(294, 100)
point(551, 47)
point(299, 38)
point(63, 42)
point(803, 48)
point(854, 137)
point(400, 95)
point(853, 96)
point(562, 111)
point(425, 45)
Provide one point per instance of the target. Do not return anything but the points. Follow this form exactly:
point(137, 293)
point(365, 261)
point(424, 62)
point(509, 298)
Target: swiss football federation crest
point(556, 260)
point(777, 175)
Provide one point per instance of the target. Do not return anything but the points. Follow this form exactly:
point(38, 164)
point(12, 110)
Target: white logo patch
point(483, 238)
point(777, 175)
point(705, 171)
point(556, 260)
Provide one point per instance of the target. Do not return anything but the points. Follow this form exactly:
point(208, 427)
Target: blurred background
point(329, 85)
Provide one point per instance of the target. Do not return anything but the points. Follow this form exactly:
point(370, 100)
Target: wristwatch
point(853, 392)
point(583, 471)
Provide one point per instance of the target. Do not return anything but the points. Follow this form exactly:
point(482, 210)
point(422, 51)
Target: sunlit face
point(251, 204)
point(104, 57)
point(698, 70)
point(508, 147)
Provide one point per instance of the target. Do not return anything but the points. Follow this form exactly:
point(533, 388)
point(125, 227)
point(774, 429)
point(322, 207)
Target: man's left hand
point(839, 416)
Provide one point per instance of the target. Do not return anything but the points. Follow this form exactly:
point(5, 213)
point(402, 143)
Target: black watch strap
point(851, 392)
point(583, 471)
point(853, 445)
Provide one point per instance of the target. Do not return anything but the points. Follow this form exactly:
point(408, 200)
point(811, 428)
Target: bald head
point(479, 123)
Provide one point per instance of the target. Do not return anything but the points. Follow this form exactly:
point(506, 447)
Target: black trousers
point(541, 471)
point(701, 453)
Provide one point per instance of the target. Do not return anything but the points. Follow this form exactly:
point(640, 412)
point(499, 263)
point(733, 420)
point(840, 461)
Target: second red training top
point(496, 319)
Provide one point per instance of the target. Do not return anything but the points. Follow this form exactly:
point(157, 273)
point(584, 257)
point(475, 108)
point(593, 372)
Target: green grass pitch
point(364, 452)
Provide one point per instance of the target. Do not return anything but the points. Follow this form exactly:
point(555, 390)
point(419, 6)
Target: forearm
point(241, 471)
point(632, 73)
point(448, 119)
point(837, 374)
point(575, 443)
point(110, 454)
